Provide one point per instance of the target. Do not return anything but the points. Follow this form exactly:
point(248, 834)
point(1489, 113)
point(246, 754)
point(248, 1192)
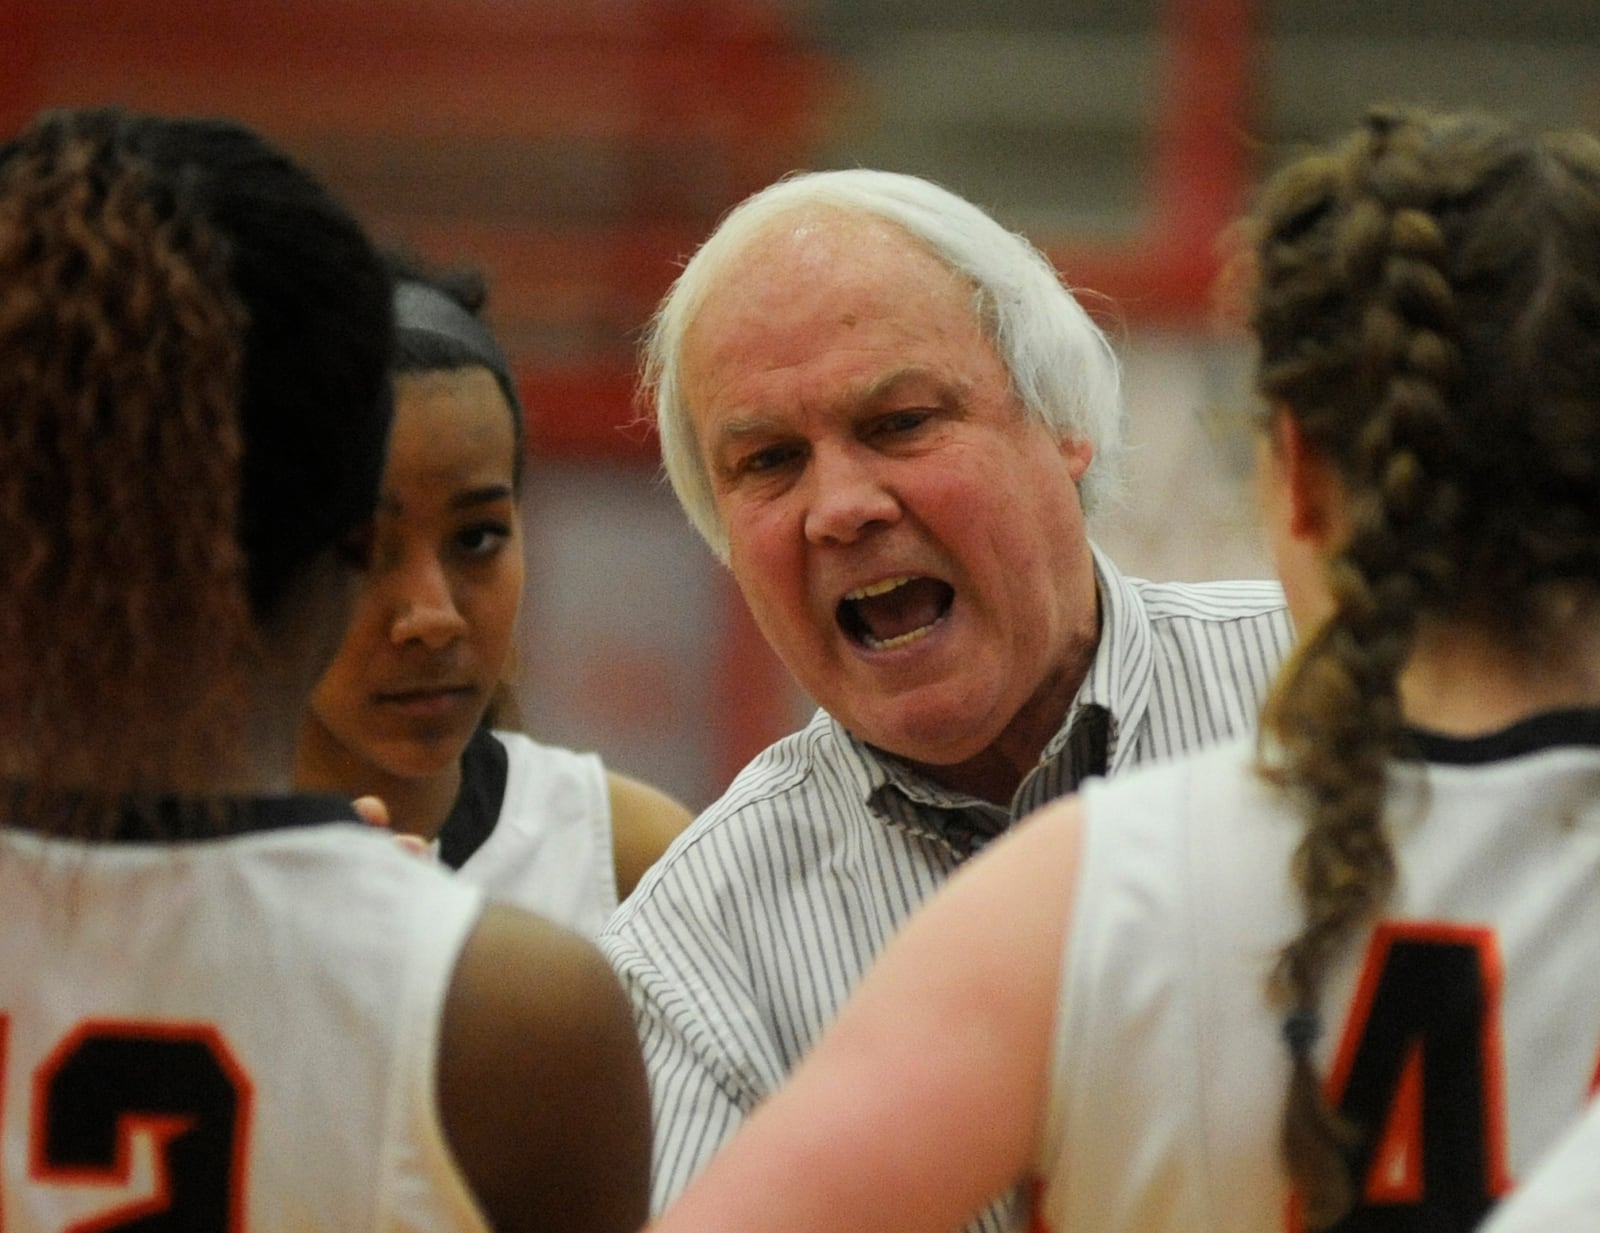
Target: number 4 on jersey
point(1421, 1071)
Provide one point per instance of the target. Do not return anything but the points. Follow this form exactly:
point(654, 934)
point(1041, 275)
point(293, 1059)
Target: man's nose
point(848, 496)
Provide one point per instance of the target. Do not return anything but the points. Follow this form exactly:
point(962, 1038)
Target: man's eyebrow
point(892, 383)
point(741, 427)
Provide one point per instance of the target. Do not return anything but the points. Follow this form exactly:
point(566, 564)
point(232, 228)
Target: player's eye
point(482, 539)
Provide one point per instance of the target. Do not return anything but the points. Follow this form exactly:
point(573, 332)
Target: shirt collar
point(1120, 675)
point(1111, 702)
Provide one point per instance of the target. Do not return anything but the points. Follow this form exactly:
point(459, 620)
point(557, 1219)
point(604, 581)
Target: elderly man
point(888, 417)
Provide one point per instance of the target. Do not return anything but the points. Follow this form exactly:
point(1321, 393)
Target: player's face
point(434, 623)
point(909, 541)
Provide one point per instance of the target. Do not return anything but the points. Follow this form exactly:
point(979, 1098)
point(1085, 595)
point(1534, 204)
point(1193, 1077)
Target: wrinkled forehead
point(805, 274)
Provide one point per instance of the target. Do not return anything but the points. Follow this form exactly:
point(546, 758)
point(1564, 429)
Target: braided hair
point(1427, 307)
point(194, 342)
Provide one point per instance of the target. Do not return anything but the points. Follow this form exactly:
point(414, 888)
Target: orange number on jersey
point(110, 1085)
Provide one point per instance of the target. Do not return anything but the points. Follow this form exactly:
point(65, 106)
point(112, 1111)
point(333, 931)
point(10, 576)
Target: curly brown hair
point(1427, 306)
point(120, 446)
point(194, 342)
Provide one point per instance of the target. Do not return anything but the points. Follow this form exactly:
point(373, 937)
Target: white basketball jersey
point(1562, 1193)
point(550, 851)
point(226, 1034)
point(1462, 1032)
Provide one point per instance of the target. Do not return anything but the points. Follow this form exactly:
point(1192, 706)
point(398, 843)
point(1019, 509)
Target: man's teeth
point(872, 590)
point(889, 644)
point(879, 588)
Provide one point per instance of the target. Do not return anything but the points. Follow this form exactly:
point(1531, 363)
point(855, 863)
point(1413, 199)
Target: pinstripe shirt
point(742, 943)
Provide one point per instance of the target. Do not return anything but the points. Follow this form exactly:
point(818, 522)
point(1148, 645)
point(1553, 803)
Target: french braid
point(1428, 311)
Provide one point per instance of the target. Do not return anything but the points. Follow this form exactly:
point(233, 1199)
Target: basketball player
point(413, 708)
point(225, 1006)
point(1345, 978)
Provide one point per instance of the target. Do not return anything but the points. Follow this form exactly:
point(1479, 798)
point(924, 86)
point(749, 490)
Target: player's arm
point(541, 1088)
point(644, 820)
point(927, 1098)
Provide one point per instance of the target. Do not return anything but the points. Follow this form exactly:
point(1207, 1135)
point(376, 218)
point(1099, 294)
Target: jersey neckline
point(187, 819)
point(1575, 727)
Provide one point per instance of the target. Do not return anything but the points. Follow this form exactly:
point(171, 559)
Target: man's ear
point(1316, 507)
point(1079, 453)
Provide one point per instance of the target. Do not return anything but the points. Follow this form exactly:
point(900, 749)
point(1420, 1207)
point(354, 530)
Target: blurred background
point(576, 150)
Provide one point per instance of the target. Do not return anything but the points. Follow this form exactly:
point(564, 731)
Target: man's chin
point(931, 738)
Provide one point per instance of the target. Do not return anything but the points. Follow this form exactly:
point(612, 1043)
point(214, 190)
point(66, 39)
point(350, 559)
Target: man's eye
point(901, 421)
point(768, 459)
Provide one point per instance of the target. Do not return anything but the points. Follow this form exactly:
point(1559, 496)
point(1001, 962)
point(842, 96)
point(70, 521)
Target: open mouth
point(894, 612)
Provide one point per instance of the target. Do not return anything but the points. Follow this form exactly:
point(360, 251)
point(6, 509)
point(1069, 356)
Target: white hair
point(1062, 367)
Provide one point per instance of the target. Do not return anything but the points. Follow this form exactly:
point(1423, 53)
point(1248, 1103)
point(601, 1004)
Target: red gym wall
point(444, 124)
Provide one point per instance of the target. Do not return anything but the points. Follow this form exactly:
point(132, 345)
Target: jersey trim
point(485, 766)
point(1549, 729)
point(177, 819)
